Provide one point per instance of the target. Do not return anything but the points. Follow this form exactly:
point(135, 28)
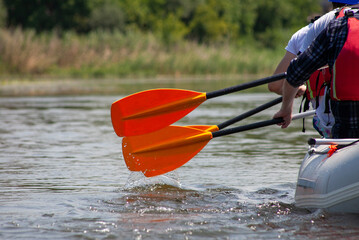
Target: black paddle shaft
point(265, 123)
point(244, 86)
point(250, 113)
point(255, 125)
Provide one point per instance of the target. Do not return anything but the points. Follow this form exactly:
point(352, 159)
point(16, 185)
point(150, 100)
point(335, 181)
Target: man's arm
point(283, 65)
point(285, 111)
point(276, 86)
point(299, 70)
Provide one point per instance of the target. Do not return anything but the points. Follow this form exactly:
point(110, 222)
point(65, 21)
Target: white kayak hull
point(329, 182)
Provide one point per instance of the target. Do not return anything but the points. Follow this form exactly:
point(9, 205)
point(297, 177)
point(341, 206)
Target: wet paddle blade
point(151, 110)
point(162, 151)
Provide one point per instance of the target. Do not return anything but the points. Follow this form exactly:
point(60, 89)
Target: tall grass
point(113, 54)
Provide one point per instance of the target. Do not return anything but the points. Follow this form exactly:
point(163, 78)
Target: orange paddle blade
point(151, 110)
point(208, 128)
point(164, 150)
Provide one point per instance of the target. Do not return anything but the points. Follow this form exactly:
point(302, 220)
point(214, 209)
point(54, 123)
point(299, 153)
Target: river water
point(62, 176)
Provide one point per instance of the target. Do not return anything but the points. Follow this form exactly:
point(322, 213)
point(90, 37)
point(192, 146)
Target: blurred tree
point(201, 20)
point(276, 15)
point(170, 29)
point(3, 14)
point(208, 23)
point(163, 17)
point(241, 14)
point(136, 14)
point(43, 15)
point(107, 15)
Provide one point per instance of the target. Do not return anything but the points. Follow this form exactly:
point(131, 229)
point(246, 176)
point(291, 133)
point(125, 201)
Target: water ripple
point(62, 176)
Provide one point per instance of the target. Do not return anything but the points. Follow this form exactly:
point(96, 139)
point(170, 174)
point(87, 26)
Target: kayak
point(328, 177)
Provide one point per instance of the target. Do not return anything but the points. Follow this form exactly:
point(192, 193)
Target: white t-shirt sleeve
point(297, 40)
point(316, 28)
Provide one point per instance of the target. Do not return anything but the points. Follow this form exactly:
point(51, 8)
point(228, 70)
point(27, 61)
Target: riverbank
point(19, 87)
point(114, 63)
point(104, 55)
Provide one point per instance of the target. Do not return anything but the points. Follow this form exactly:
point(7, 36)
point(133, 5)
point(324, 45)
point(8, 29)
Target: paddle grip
point(244, 86)
point(250, 113)
point(247, 127)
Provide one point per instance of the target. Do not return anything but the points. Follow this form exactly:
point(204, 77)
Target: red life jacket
point(316, 80)
point(341, 13)
point(345, 82)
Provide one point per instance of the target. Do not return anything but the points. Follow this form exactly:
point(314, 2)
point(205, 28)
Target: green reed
point(114, 54)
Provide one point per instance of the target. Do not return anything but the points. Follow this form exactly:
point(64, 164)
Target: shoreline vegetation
point(101, 47)
point(47, 64)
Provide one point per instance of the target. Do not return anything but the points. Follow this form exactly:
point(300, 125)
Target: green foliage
point(3, 14)
point(284, 14)
point(275, 16)
point(207, 24)
point(107, 16)
point(44, 15)
point(170, 29)
point(204, 21)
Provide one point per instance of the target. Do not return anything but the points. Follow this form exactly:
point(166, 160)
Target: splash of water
point(138, 179)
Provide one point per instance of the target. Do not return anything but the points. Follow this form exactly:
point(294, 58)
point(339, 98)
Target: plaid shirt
point(325, 50)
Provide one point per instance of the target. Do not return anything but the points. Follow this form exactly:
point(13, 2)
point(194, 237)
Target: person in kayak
point(337, 47)
point(314, 88)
